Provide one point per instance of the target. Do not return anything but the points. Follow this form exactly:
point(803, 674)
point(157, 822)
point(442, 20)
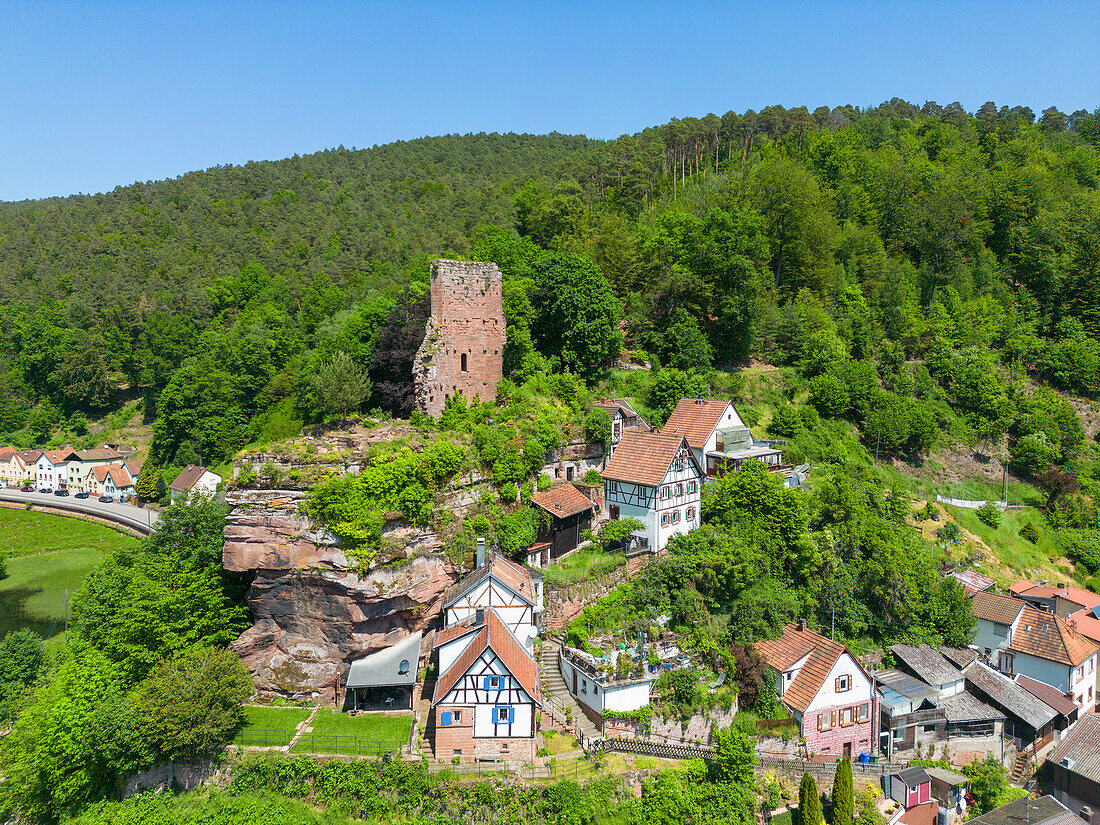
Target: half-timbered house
point(500, 584)
point(719, 438)
point(487, 693)
point(623, 419)
point(655, 478)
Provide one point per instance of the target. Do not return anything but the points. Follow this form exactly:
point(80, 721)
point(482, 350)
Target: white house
point(654, 478)
point(623, 419)
point(513, 591)
point(1016, 637)
point(52, 468)
point(596, 691)
point(719, 439)
point(486, 695)
point(194, 480)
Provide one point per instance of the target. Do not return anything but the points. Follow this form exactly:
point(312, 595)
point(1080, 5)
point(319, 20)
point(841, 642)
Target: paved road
point(128, 515)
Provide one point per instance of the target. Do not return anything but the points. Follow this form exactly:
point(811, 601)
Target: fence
point(660, 749)
point(325, 743)
point(571, 769)
point(968, 504)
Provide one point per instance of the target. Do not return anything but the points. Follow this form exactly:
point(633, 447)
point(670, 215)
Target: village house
point(1030, 722)
point(719, 439)
point(194, 481)
point(655, 478)
point(912, 789)
point(385, 679)
point(623, 419)
point(81, 462)
point(14, 469)
point(109, 480)
point(52, 468)
point(487, 693)
point(1072, 769)
point(1061, 599)
point(1019, 638)
point(831, 697)
point(925, 702)
point(950, 790)
point(568, 514)
point(514, 591)
point(598, 689)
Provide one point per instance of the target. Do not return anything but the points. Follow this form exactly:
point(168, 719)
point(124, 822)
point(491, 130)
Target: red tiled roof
point(186, 480)
point(1047, 694)
point(493, 635)
point(1077, 595)
point(696, 418)
point(644, 457)
point(61, 455)
point(995, 608)
point(6, 453)
point(795, 643)
point(455, 631)
point(134, 465)
point(563, 501)
point(513, 575)
point(1086, 624)
point(1047, 636)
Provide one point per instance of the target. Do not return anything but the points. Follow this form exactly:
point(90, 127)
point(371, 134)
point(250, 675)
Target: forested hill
point(912, 251)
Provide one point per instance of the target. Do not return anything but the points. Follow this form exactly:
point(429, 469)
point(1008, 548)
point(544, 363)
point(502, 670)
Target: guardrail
point(142, 526)
point(324, 743)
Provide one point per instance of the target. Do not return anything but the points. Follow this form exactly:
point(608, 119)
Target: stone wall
point(463, 343)
point(699, 728)
point(169, 776)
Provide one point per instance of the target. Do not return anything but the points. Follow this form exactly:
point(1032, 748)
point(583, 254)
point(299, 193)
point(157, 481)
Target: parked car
point(60, 492)
point(27, 488)
point(107, 499)
point(46, 490)
point(81, 495)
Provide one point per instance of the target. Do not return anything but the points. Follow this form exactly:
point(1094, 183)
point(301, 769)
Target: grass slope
point(50, 555)
point(337, 732)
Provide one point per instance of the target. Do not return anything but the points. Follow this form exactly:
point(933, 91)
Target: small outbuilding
point(384, 680)
point(569, 515)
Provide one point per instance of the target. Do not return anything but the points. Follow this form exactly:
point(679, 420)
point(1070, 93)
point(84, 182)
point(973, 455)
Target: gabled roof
point(972, 581)
point(1077, 595)
point(116, 472)
point(1081, 748)
point(1048, 694)
point(965, 707)
point(187, 479)
point(792, 646)
point(994, 608)
point(455, 631)
point(494, 635)
point(959, 656)
point(611, 405)
point(644, 457)
point(384, 667)
point(696, 418)
point(912, 776)
point(1009, 695)
point(134, 465)
point(928, 664)
point(1047, 636)
point(61, 455)
point(1086, 624)
point(103, 454)
point(516, 577)
point(29, 456)
point(563, 501)
point(1046, 810)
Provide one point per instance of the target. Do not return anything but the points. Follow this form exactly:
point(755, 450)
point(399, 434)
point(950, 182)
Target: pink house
point(829, 694)
point(910, 787)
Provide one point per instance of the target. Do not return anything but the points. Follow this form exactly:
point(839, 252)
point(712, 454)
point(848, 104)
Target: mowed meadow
point(48, 557)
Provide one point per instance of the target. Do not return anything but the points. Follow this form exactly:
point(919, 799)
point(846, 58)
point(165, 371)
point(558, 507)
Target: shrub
point(990, 515)
point(949, 532)
point(508, 493)
point(829, 395)
point(786, 421)
point(1029, 532)
point(545, 482)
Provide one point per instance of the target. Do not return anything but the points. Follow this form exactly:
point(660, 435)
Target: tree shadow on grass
point(15, 616)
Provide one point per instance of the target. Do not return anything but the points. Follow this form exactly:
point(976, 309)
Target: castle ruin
point(463, 343)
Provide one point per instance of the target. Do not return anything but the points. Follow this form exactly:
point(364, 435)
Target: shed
point(385, 680)
point(910, 787)
point(570, 514)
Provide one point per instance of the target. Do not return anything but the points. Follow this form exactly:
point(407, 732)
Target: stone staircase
point(1021, 769)
point(557, 694)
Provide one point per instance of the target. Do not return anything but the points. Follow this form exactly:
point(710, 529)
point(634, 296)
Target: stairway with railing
point(557, 700)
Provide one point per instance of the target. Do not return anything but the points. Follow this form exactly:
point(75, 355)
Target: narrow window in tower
point(464, 362)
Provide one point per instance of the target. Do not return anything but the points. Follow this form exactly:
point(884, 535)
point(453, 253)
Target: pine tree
point(809, 802)
point(844, 794)
point(146, 483)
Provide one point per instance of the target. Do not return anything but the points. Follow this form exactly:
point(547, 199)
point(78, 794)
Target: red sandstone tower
point(464, 340)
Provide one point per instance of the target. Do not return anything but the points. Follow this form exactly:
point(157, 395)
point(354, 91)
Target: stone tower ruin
point(463, 343)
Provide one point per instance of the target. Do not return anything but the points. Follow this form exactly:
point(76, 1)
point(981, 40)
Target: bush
point(990, 515)
point(544, 482)
point(1029, 533)
point(829, 395)
point(1034, 453)
point(949, 532)
point(508, 493)
point(786, 421)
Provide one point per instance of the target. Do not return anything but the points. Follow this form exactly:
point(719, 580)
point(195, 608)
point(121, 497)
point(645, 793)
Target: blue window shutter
point(485, 683)
point(511, 715)
point(446, 720)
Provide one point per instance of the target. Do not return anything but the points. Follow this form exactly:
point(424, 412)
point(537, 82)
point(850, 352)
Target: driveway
point(128, 515)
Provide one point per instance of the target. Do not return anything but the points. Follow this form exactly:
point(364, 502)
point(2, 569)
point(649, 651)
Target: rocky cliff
point(314, 609)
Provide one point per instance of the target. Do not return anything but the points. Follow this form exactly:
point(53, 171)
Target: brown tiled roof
point(563, 501)
point(994, 608)
point(783, 652)
point(695, 419)
point(134, 465)
point(6, 453)
point(186, 480)
point(29, 456)
point(455, 631)
point(119, 477)
point(97, 455)
point(1077, 595)
point(644, 457)
point(494, 635)
point(1049, 694)
point(1082, 745)
point(60, 456)
point(513, 575)
point(1047, 636)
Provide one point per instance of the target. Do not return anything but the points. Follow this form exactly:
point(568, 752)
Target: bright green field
point(270, 725)
point(330, 730)
point(52, 555)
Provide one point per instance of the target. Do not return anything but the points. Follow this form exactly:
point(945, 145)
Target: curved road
point(127, 515)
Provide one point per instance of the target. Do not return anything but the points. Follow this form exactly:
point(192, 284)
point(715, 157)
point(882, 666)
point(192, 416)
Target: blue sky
point(99, 94)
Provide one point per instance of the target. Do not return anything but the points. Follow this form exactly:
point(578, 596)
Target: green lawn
point(580, 564)
point(270, 725)
point(340, 733)
point(52, 555)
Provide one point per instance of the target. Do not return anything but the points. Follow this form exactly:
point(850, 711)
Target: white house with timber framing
point(655, 478)
point(487, 693)
point(512, 590)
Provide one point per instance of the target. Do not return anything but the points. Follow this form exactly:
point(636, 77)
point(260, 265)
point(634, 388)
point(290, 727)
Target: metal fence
point(324, 743)
point(571, 769)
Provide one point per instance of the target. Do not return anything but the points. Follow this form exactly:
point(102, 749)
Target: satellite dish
point(404, 667)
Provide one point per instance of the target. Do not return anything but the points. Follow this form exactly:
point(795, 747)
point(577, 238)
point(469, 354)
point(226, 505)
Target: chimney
point(1061, 585)
point(480, 553)
point(801, 624)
